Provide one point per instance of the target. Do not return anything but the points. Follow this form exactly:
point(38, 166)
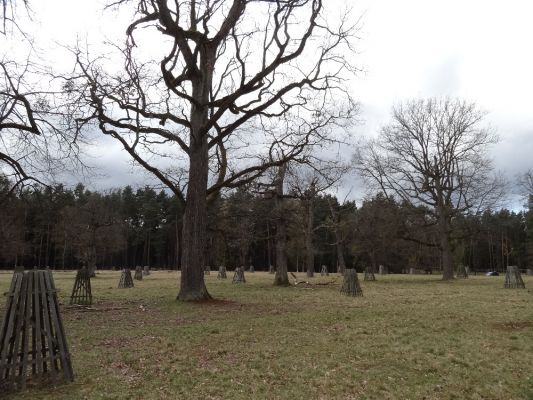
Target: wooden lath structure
point(81, 292)
point(33, 346)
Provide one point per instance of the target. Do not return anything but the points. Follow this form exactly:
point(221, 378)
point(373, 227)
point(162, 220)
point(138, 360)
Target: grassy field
point(409, 337)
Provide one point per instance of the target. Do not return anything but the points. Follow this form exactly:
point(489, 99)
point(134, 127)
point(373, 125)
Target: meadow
point(408, 337)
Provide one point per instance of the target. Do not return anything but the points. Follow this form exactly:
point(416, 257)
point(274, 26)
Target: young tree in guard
point(125, 279)
point(238, 277)
point(350, 286)
point(222, 272)
point(19, 268)
point(513, 278)
point(226, 85)
point(33, 345)
point(324, 271)
point(461, 271)
point(146, 270)
point(369, 274)
point(138, 273)
point(382, 270)
point(435, 154)
point(529, 272)
point(207, 270)
point(271, 269)
point(81, 292)
point(252, 269)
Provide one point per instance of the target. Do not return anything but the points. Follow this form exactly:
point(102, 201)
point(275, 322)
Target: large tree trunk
point(281, 278)
point(192, 285)
point(445, 247)
point(309, 251)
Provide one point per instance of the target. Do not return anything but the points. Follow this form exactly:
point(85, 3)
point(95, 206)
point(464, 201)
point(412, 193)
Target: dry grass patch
point(409, 337)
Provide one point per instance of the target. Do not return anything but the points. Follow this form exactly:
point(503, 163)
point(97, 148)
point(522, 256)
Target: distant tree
point(377, 230)
point(434, 153)
point(226, 97)
point(306, 182)
point(94, 226)
point(241, 224)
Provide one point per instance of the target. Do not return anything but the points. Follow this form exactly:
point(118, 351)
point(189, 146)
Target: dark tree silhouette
point(238, 87)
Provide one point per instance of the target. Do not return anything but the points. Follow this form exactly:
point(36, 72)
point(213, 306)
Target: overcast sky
point(479, 50)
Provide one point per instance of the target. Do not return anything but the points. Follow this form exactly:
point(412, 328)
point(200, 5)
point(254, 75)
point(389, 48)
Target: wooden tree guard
point(529, 272)
point(222, 272)
point(81, 292)
point(513, 279)
point(369, 274)
point(207, 270)
point(238, 277)
point(350, 286)
point(461, 272)
point(383, 270)
point(125, 279)
point(19, 268)
point(146, 270)
point(271, 269)
point(138, 273)
point(324, 271)
point(252, 269)
point(33, 346)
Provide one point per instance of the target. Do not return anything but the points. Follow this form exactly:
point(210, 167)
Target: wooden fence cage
point(125, 279)
point(33, 346)
point(81, 292)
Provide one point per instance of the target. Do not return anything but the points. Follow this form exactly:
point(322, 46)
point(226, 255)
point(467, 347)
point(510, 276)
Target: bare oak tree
point(434, 153)
point(223, 91)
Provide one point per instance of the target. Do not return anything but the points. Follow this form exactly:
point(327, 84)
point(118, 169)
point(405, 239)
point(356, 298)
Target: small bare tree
point(306, 182)
point(233, 89)
point(434, 153)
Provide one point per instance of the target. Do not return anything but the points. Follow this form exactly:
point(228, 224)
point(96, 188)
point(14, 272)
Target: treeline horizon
point(63, 228)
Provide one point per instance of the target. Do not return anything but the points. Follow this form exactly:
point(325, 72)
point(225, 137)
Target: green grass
point(409, 337)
